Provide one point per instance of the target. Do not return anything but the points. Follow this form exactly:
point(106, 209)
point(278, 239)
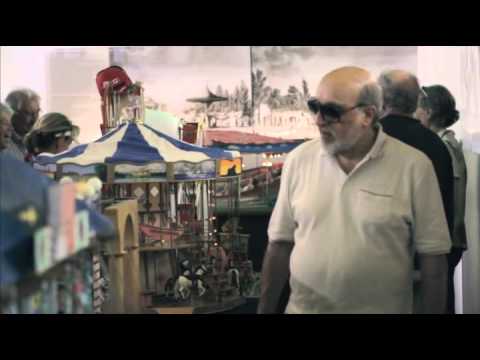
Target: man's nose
point(319, 120)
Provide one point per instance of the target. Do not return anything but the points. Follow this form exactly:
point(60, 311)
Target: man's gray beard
point(335, 147)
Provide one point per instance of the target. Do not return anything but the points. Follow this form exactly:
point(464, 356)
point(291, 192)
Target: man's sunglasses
point(331, 113)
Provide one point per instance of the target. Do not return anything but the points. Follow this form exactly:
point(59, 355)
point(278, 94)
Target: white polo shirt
point(355, 234)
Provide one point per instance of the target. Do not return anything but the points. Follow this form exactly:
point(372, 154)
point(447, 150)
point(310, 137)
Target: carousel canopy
point(137, 144)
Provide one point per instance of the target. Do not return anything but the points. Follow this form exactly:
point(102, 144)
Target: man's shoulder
point(430, 136)
point(413, 133)
point(398, 150)
point(435, 149)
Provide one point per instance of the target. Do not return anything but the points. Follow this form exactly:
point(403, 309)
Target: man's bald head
point(347, 76)
point(352, 86)
point(400, 91)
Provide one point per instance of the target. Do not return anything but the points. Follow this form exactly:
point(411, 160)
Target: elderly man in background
point(353, 207)
point(25, 104)
point(401, 92)
point(5, 125)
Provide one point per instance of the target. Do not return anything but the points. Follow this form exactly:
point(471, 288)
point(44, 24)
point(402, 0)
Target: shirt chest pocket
point(376, 207)
point(382, 215)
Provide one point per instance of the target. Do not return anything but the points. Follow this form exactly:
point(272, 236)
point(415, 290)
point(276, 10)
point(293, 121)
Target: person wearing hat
point(53, 133)
point(437, 111)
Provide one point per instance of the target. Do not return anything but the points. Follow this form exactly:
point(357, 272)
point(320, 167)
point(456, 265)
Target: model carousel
point(185, 263)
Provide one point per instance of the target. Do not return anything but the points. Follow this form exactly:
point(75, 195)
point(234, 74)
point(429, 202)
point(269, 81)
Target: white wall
point(63, 76)
point(471, 260)
point(441, 65)
point(24, 66)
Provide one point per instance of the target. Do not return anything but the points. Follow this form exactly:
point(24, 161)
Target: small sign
point(82, 230)
point(230, 167)
point(43, 249)
point(67, 213)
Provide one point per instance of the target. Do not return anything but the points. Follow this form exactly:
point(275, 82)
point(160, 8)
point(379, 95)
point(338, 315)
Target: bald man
point(401, 92)
point(351, 211)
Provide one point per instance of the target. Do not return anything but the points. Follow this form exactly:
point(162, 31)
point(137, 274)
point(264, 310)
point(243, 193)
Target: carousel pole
point(142, 104)
point(267, 180)
point(237, 197)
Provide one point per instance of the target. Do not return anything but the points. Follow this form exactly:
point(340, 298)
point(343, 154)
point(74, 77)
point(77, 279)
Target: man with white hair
point(25, 104)
point(401, 93)
point(352, 210)
point(5, 125)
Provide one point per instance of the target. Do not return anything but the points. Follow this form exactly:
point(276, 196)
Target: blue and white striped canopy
point(137, 144)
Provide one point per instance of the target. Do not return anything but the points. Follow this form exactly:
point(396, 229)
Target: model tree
point(306, 92)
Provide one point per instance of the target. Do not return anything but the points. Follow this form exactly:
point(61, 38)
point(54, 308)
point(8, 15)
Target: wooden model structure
point(123, 259)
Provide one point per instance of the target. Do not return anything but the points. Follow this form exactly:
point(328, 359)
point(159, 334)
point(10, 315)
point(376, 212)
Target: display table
point(211, 309)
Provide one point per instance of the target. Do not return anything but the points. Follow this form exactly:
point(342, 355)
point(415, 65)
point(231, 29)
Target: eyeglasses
point(423, 92)
point(423, 99)
point(331, 113)
point(66, 135)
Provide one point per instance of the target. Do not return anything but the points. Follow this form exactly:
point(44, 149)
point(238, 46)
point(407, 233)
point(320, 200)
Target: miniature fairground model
point(184, 261)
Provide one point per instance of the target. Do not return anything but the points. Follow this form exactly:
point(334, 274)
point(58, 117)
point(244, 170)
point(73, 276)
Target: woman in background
point(53, 133)
point(437, 111)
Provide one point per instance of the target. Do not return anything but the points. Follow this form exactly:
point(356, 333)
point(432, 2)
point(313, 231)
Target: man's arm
point(433, 285)
point(431, 239)
point(275, 273)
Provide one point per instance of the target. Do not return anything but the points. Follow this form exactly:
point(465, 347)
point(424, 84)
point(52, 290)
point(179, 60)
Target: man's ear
point(370, 113)
point(429, 113)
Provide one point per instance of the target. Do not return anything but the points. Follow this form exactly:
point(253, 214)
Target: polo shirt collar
point(378, 145)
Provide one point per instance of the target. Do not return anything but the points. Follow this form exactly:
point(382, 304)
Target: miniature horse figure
point(183, 287)
point(180, 287)
point(183, 284)
point(198, 279)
